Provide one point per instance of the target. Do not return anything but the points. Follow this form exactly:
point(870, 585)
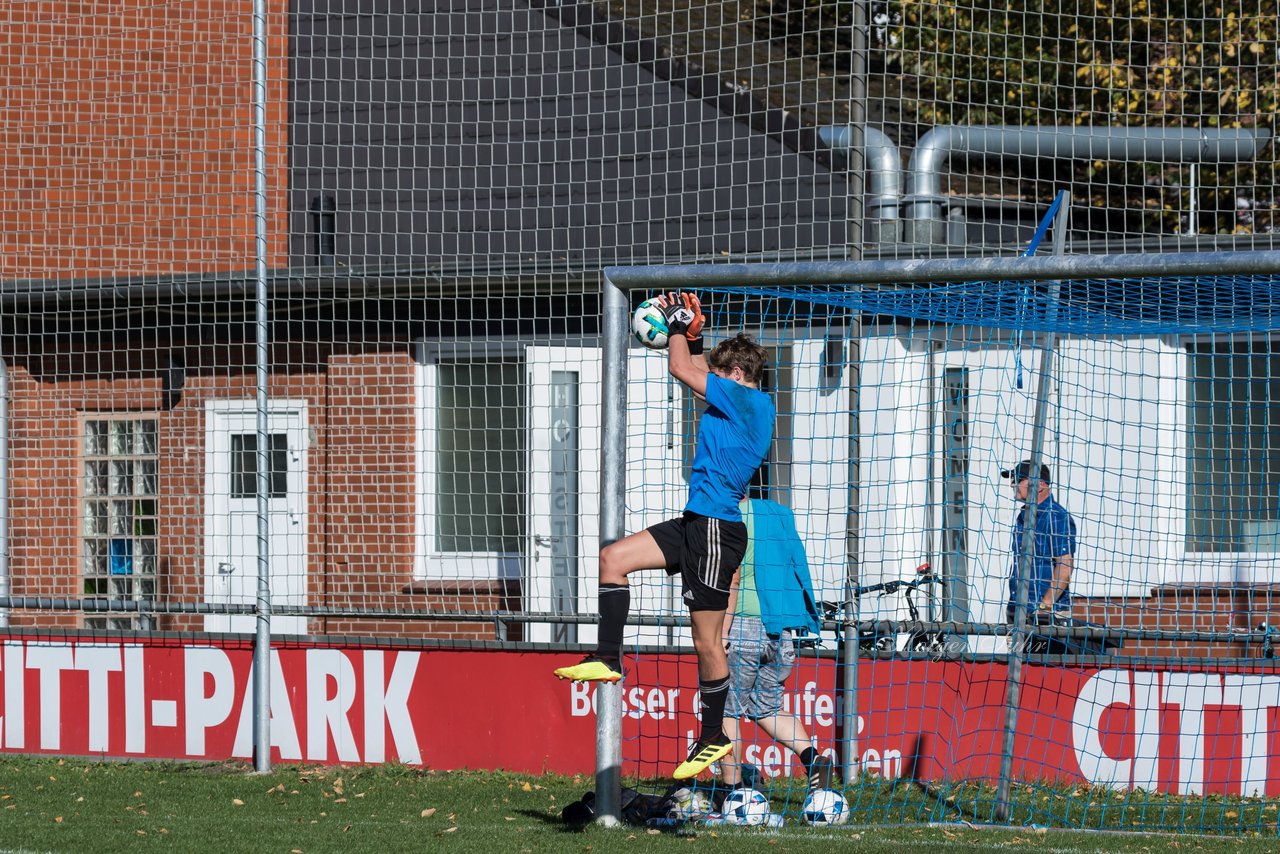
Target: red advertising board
point(1180, 731)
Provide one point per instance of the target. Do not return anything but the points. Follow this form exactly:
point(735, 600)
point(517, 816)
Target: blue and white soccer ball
point(823, 807)
point(746, 807)
point(649, 325)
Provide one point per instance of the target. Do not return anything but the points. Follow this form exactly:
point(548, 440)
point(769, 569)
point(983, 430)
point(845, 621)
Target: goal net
point(1139, 697)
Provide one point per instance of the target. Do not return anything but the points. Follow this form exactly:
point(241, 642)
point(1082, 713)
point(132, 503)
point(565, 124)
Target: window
point(1233, 447)
point(121, 486)
point(472, 404)
point(244, 465)
point(480, 481)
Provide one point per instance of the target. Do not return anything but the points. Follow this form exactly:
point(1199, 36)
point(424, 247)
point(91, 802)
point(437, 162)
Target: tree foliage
point(1137, 63)
point(1174, 63)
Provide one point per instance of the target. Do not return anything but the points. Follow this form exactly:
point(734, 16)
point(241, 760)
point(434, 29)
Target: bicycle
point(916, 639)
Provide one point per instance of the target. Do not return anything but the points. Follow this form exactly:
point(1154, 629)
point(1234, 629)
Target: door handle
point(540, 540)
point(225, 568)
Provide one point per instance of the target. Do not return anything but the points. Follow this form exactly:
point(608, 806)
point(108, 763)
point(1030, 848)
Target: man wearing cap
point(1053, 546)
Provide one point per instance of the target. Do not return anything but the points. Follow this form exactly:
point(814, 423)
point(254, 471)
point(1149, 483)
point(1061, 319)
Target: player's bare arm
point(684, 362)
point(687, 368)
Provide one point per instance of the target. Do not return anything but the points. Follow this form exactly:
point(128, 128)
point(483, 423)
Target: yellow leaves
point(428, 812)
point(525, 787)
point(237, 802)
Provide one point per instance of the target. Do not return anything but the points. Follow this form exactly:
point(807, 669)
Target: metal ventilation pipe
point(884, 187)
point(925, 202)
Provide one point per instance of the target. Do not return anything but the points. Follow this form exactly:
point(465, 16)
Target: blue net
point(1111, 307)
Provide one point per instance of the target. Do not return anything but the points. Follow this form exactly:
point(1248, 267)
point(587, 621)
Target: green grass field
point(53, 805)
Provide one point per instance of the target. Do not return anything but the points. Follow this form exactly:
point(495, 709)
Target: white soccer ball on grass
point(746, 807)
point(823, 807)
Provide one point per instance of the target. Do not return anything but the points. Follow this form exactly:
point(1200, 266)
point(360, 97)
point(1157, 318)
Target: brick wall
point(126, 138)
point(360, 466)
point(1189, 609)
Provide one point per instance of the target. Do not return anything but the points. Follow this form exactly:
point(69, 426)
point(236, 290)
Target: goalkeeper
point(772, 603)
point(706, 544)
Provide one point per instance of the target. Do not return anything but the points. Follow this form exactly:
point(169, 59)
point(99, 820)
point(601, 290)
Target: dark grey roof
point(482, 132)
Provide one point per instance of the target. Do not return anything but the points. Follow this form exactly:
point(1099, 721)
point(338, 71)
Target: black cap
point(1023, 470)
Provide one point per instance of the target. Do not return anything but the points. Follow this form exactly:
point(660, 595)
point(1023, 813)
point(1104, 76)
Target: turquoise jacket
point(780, 569)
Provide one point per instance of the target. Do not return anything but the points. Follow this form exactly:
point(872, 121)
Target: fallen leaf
point(451, 829)
point(508, 818)
point(340, 801)
point(57, 819)
point(237, 802)
point(525, 787)
point(653, 831)
point(428, 812)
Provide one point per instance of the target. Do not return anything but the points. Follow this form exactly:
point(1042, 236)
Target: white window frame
point(429, 562)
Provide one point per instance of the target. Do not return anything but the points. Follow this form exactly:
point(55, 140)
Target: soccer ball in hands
point(824, 807)
point(649, 324)
point(746, 807)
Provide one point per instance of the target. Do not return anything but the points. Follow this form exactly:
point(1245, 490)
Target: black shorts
point(705, 552)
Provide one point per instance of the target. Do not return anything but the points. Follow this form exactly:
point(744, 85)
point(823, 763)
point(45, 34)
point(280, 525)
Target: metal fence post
point(1017, 639)
point(262, 637)
point(613, 484)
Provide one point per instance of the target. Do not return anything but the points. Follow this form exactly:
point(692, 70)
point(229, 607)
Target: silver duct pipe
point(884, 185)
point(925, 202)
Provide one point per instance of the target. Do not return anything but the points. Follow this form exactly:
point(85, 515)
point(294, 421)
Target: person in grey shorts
point(772, 602)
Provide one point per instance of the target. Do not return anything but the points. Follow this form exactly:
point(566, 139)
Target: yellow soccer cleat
point(590, 669)
point(702, 756)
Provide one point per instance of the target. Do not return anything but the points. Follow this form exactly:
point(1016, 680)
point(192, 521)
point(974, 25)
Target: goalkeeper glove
point(684, 317)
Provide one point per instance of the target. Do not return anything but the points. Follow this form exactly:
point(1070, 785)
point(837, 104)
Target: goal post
point(1129, 321)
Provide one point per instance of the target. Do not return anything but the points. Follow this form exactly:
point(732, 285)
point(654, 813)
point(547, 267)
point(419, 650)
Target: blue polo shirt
point(734, 435)
point(1054, 536)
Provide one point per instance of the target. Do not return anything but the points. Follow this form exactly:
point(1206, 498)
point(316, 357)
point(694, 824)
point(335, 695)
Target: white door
point(231, 512)
point(564, 489)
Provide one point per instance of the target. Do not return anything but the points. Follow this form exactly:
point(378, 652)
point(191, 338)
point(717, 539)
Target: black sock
point(713, 696)
point(615, 602)
point(807, 756)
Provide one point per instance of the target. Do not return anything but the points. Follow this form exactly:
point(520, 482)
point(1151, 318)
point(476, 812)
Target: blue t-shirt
point(1055, 536)
point(733, 440)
